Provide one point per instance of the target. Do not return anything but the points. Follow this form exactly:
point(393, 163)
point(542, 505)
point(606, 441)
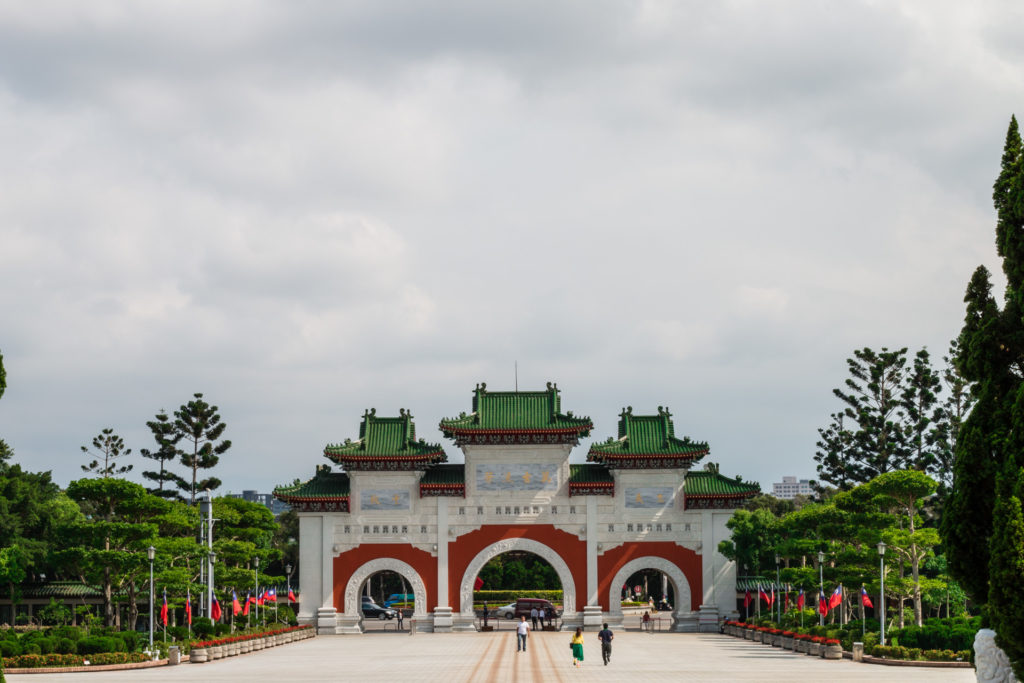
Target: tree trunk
point(108, 598)
point(133, 605)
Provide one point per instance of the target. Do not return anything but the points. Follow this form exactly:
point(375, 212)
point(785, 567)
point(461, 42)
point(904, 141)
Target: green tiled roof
point(590, 474)
point(646, 437)
point(390, 439)
point(443, 475)
point(517, 412)
point(325, 485)
point(61, 589)
point(705, 484)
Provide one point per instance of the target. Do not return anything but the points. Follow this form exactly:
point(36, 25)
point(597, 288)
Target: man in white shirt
point(522, 631)
point(540, 615)
point(533, 616)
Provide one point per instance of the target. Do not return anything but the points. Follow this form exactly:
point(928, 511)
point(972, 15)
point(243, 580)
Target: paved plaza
point(459, 657)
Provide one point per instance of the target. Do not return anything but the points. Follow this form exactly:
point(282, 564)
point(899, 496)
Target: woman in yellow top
point(577, 647)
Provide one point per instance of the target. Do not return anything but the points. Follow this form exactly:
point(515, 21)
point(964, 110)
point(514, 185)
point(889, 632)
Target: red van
point(524, 605)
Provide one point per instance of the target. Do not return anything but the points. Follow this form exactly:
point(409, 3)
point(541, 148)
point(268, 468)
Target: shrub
point(72, 632)
point(117, 658)
point(222, 629)
point(9, 648)
point(498, 598)
point(203, 628)
point(46, 645)
point(93, 644)
point(131, 640)
point(67, 646)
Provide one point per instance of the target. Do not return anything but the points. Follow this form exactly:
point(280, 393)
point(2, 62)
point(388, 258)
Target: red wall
point(609, 564)
point(571, 549)
point(348, 562)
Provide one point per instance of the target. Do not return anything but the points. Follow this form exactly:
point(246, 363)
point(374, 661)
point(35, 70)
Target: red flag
point(746, 599)
point(800, 600)
point(292, 598)
point(188, 607)
point(478, 583)
point(837, 597)
point(772, 601)
point(215, 611)
point(260, 599)
point(761, 594)
point(272, 595)
point(864, 599)
point(163, 610)
point(822, 603)
point(248, 601)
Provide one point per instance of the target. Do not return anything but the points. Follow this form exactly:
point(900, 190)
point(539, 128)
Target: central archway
point(523, 545)
point(364, 572)
point(681, 586)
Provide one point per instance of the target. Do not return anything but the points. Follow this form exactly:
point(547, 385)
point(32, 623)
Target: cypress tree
point(983, 527)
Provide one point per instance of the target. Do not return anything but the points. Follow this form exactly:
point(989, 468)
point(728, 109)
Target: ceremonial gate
point(397, 505)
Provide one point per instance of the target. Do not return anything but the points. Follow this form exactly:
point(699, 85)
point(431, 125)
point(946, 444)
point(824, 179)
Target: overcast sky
point(306, 209)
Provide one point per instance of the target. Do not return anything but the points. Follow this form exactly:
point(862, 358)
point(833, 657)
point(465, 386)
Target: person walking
point(540, 615)
point(647, 622)
point(533, 616)
point(485, 615)
point(400, 617)
point(606, 637)
point(522, 631)
point(577, 647)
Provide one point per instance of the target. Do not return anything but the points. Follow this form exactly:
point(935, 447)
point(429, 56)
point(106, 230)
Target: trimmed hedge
point(915, 653)
point(41, 661)
point(505, 597)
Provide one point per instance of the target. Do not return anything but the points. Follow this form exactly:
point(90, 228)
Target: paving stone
point(492, 657)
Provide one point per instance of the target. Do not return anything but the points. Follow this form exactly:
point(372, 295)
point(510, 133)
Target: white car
point(506, 611)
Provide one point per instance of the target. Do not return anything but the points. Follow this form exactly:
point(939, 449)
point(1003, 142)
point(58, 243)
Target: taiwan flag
point(248, 601)
point(762, 595)
point(188, 607)
point(746, 599)
point(800, 600)
point(261, 599)
point(215, 611)
point(822, 603)
point(163, 610)
point(772, 601)
point(272, 595)
point(292, 598)
point(864, 599)
point(236, 607)
point(837, 597)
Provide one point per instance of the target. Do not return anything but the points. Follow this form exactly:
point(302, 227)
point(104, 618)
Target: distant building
point(789, 488)
point(266, 499)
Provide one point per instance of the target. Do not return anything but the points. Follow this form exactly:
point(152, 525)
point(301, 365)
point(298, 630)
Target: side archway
point(359, 577)
point(675, 575)
point(523, 545)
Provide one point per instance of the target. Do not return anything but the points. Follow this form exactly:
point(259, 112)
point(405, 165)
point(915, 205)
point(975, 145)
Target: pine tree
point(167, 438)
point(952, 413)
point(3, 376)
point(109, 446)
point(199, 425)
point(834, 466)
point(921, 416)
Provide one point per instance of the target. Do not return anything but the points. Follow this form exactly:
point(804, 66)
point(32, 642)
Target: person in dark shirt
point(606, 636)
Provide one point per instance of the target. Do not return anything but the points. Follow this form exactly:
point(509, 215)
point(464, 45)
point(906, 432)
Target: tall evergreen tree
point(954, 410)
point(3, 376)
point(109, 446)
point(834, 465)
point(919, 402)
point(200, 427)
point(167, 438)
point(982, 527)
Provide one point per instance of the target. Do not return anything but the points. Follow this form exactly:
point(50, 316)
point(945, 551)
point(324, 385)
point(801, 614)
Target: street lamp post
point(151, 553)
point(778, 587)
point(212, 557)
point(821, 586)
point(881, 567)
point(256, 573)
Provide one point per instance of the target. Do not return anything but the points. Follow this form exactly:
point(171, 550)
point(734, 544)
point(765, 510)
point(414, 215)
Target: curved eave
point(718, 496)
point(339, 457)
point(432, 490)
point(308, 499)
point(468, 431)
point(655, 456)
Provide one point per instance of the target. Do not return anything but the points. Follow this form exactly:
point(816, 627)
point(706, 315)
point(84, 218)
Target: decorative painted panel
point(517, 477)
point(384, 499)
point(649, 496)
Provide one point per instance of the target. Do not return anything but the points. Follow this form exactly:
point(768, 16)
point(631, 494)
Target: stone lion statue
point(990, 661)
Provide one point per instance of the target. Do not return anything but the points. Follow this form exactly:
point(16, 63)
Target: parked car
point(399, 597)
point(371, 609)
point(523, 606)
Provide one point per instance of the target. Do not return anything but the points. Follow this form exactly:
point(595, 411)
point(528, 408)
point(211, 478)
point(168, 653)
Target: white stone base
point(571, 620)
point(443, 620)
point(592, 618)
point(326, 621)
point(707, 620)
point(463, 624)
point(687, 623)
point(348, 625)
